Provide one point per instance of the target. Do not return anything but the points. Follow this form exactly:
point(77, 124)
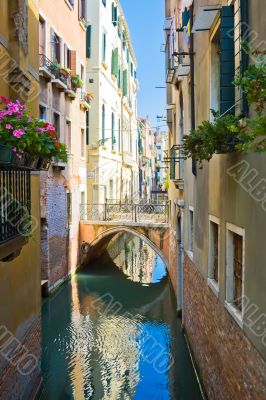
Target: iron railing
point(15, 201)
point(126, 212)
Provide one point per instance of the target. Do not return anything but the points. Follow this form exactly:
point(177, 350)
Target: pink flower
point(18, 133)
point(14, 150)
point(8, 126)
point(49, 127)
point(30, 120)
point(41, 130)
point(4, 100)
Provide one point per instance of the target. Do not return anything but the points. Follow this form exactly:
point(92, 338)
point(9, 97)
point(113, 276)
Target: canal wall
point(229, 365)
point(20, 359)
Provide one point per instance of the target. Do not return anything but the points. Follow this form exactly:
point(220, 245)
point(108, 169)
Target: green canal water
point(112, 333)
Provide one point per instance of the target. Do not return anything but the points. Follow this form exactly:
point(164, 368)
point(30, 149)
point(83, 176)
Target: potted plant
point(28, 139)
point(77, 82)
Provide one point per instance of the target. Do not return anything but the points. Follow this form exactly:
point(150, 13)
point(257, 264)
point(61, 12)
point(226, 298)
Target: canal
point(112, 333)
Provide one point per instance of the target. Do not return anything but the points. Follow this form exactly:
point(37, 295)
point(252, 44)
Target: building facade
point(112, 167)
point(146, 159)
point(64, 103)
point(20, 330)
point(221, 274)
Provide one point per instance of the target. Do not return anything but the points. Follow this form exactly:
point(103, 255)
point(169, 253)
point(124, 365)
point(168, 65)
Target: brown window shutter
point(73, 62)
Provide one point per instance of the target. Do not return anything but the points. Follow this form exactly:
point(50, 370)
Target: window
point(190, 230)
point(42, 36)
point(56, 122)
point(88, 42)
point(115, 64)
point(82, 198)
point(104, 2)
point(215, 72)
point(82, 9)
point(82, 152)
point(131, 69)
point(42, 113)
point(213, 269)
point(56, 47)
point(103, 47)
point(113, 131)
point(68, 135)
point(87, 127)
point(103, 124)
point(114, 14)
point(235, 270)
point(125, 83)
point(82, 74)
point(111, 189)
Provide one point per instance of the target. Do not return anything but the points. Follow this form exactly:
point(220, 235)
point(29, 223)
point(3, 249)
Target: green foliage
point(27, 135)
point(77, 82)
point(227, 133)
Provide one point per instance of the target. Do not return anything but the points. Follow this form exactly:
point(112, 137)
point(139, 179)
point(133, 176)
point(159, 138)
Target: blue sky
point(145, 19)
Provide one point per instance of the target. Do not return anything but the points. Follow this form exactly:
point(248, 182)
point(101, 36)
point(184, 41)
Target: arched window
point(103, 124)
point(113, 131)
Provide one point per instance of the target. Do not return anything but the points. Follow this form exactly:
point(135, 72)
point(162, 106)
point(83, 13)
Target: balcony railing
point(15, 202)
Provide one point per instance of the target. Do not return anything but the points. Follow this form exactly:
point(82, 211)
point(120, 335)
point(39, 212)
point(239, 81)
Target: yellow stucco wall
point(20, 278)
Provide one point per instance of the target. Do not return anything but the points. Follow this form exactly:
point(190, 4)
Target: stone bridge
point(96, 235)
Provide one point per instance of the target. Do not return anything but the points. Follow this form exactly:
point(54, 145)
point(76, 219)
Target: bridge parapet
point(126, 212)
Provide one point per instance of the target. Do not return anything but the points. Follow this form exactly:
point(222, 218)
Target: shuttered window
point(227, 60)
point(103, 124)
point(73, 61)
point(88, 42)
point(115, 62)
point(125, 84)
point(104, 47)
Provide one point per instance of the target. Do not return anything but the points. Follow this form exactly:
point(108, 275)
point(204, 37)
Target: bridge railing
point(124, 212)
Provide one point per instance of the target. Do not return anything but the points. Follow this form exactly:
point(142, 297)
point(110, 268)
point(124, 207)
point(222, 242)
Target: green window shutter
point(125, 83)
point(115, 62)
point(104, 47)
point(88, 42)
point(119, 78)
point(227, 60)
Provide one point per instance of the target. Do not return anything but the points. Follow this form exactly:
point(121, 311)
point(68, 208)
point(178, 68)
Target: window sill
point(82, 26)
point(234, 313)
point(69, 5)
point(213, 285)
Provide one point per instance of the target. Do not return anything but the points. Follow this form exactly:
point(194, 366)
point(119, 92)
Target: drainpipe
point(192, 84)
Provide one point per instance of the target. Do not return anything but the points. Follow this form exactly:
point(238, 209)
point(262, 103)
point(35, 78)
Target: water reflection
point(136, 259)
point(106, 336)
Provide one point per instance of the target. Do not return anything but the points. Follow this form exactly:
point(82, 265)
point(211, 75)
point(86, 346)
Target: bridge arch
point(98, 242)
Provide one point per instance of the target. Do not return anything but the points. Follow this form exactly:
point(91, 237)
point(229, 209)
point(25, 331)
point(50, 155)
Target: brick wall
point(54, 236)
point(13, 383)
point(230, 366)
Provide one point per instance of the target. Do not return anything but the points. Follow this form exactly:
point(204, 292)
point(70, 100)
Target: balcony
point(60, 80)
point(46, 68)
point(176, 161)
point(15, 211)
point(85, 100)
